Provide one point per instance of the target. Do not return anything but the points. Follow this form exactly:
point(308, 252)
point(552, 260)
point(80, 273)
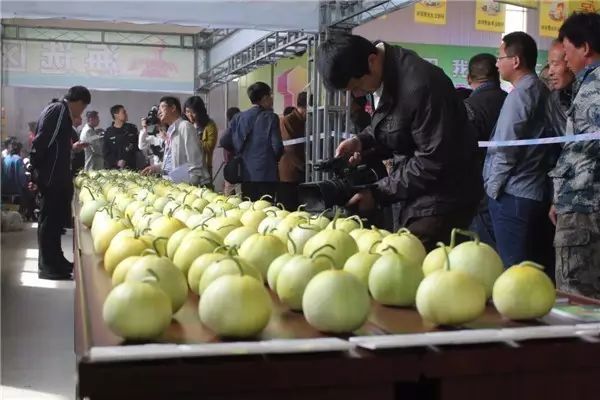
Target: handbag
point(233, 171)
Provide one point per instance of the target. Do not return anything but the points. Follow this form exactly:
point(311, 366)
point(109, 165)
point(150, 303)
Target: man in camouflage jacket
point(576, 209)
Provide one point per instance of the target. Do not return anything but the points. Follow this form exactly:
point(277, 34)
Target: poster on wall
point(431, 12)
point(97, 66)
point(552, 16)
point(592, 6)
point(533, 4)
point(489, 16)
point(289, 75)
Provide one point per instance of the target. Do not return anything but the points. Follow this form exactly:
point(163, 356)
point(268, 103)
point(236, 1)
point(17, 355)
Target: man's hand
point(350, 147)
point(364, 200)
point(121, 163)
point(144, 123)
point(32, 187)
point(78, 146)
point(151, 169)
point(552, 215)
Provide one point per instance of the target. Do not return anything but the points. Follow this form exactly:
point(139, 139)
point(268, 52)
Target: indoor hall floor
point(37, 353)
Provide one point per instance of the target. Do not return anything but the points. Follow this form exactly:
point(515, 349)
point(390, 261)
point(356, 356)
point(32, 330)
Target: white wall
point(233, 44)
point(216, 109)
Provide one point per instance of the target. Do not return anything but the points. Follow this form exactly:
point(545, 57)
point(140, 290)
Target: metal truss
point(348, 14)
point(267, 50)
point(328, 117)
point(203, 40)
point(207, 40)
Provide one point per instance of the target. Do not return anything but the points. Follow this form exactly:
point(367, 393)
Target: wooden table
point(558, 369)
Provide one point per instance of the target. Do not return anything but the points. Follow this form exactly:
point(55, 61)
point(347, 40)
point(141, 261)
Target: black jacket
point(483, 110)
point(120, 144)
point(51, 147)
point(421, 117)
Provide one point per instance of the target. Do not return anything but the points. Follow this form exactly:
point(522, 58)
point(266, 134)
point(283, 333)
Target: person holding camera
point(417, 115)
point(152, 144)
point(51, 164)
point(120, 145)
point(181, 145)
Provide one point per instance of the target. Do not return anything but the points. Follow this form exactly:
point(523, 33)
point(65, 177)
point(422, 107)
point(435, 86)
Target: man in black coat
point(120, 146)
point(483, 109)
point(417, 115)
point(485, 102)
point(51, 161)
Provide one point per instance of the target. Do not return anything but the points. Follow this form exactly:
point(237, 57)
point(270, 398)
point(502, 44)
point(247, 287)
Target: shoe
point(66, 265)
point(55, 276)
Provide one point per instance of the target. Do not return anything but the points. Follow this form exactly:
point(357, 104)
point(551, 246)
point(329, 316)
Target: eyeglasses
point(500, 58)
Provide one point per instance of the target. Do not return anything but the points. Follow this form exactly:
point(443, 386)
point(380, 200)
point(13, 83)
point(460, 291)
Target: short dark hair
point(116, 109)
point(482, 68)
point(288, 110)
point(79, 93)
point(521, 45)
point(32, 126)
point(582, 28)
point(257, 91)
point(230, 113)
point(301, 100)
point(172, 101)
point(15, 147)
point(196, 104)
point(91, 114)
point(342, 58)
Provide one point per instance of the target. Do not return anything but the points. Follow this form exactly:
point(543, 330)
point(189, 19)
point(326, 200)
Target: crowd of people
point(180, 139)
point(528, 199)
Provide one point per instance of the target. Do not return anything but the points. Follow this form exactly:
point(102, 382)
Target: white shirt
point(379, 92)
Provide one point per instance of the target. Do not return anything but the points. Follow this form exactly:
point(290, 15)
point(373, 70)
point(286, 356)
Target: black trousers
point(437, 228)
point(55, 205)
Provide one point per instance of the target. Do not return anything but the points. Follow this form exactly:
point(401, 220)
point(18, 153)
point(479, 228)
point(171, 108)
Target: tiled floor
point(38, 360)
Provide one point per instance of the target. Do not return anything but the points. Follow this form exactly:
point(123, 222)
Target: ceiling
point(102, 25)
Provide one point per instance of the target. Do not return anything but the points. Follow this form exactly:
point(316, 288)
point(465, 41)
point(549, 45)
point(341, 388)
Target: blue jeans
point(516, 222)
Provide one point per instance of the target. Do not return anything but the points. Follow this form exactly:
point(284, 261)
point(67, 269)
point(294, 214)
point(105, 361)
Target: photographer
point(51, 162)
point(152, 145)
point(417, 115)
point(120, 141)
point(181, 145)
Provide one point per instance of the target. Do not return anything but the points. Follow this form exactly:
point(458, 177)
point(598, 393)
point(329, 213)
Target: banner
point(98, 66)
point(454, 60)
point(489, 16)
point(431, 12)
point(592, 6)
point(552, 16)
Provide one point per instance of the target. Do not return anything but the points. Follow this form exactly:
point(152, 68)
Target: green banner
point(454, 60)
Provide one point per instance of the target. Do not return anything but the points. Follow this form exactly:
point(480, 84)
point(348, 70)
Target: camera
point(152, 118)
point(347, 181)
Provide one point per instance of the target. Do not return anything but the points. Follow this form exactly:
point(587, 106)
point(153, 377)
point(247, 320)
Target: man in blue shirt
point(255, 135)
point(576, 177)
point(515, 177)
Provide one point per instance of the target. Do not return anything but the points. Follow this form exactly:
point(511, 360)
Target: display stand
point(291, 360)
